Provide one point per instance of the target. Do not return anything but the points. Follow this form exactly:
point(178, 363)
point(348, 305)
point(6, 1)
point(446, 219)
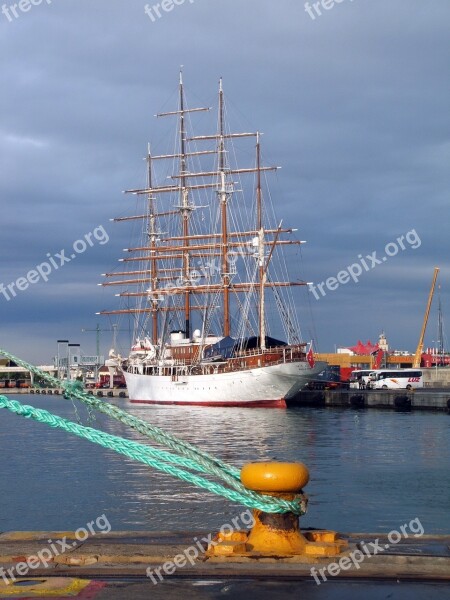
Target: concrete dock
point(103, 393)
point(422, 399)
point(437, 399)
point(104, 565)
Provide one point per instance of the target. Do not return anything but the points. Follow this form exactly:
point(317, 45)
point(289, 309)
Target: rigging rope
point(187, 455)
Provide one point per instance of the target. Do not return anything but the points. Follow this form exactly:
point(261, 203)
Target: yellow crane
point(419, 350)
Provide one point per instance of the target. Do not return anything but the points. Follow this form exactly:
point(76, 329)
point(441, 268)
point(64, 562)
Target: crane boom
point(418, 355)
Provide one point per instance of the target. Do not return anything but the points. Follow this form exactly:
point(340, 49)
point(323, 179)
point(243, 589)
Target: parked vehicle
point(359, 379)
point(395, 379)
point(104, 381)
point(23, 383)
point(329, 379)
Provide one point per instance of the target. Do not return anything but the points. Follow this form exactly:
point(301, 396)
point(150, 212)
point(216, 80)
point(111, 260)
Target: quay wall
point(426, 399)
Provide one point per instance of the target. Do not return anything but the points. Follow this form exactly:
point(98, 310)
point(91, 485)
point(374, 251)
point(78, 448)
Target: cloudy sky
point(354, 104)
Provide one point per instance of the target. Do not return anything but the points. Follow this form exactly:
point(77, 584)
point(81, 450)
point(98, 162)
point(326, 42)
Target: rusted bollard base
point(279, 544)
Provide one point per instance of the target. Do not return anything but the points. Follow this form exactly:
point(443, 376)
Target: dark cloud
point(353, 105)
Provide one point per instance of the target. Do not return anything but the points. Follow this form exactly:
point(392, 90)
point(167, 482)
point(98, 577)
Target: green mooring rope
point(188, 456)
point(73, 389)
point(153, 457)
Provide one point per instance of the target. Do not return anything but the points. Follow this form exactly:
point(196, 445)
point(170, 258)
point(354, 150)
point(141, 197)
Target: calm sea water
point(371, 471)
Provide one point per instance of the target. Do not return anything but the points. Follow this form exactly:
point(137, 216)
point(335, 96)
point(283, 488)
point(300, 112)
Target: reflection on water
point(370, 470)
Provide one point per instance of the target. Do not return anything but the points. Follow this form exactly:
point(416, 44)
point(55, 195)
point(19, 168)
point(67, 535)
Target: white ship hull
point(263, 386)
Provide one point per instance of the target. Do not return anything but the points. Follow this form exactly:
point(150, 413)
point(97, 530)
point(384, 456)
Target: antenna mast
point(440, 330)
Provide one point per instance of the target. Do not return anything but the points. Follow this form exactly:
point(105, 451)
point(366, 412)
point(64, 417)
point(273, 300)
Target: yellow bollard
point(277, 534)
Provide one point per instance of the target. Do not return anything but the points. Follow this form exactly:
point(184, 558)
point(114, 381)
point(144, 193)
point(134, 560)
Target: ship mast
point(262, 272)
point(223, 198)
point(184, 209)
point(152, 238)
point(171, 254)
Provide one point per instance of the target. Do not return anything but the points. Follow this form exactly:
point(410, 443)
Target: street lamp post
point(70, 357)
point(62, 350)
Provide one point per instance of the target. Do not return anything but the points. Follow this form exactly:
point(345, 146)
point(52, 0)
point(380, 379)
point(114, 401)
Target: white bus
point(395, 379)
point(359, 379)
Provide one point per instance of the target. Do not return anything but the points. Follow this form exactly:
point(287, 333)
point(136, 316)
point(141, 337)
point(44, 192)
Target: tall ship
point(207, 284)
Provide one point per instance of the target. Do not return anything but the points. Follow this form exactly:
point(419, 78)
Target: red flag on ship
point(310, 357)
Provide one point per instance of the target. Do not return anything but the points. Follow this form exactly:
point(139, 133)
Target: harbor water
point(371, 471)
